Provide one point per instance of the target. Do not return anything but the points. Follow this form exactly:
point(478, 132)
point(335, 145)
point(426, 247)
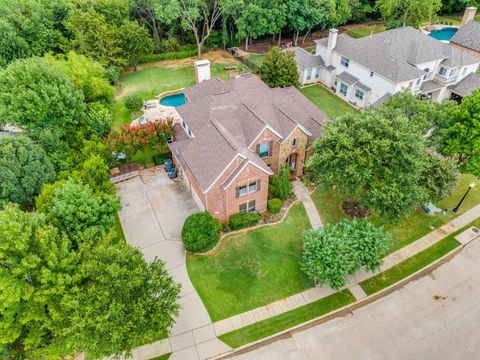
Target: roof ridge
point(220, 129)
point(284, 113)
point(254, 114)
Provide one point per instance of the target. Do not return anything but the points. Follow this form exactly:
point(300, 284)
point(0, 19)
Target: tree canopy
point(279, 69)
point(24, 168)
point(414, 13)
point(377, 156)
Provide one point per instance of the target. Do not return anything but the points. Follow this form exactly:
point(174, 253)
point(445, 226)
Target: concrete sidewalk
point(302, 194)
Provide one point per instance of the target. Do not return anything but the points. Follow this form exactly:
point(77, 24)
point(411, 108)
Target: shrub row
point(242, 220)
point(184, 52)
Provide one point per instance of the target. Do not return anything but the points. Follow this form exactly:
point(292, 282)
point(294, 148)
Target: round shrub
point(200, 232)
point(274, 205)
point(133, 102)
point(242, 220)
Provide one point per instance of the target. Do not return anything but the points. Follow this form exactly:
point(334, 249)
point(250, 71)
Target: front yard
point(411, 227)
point(252, 269)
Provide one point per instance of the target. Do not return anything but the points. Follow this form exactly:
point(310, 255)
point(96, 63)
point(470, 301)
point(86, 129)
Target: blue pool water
point(443, 34)
point(173, 100)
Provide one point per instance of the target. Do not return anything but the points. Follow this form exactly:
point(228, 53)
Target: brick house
point(233, 135)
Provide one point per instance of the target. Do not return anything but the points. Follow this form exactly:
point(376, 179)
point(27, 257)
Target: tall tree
point(407, 12)
point(279, 69)
point(135, 42)
point(303, 16)
point(101, 299)
point(459, 136)
point(35, 95)
point(376, 156)
point(24, 168)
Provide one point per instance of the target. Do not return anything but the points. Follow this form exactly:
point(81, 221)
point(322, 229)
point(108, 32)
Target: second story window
point(264, 149)
point(452, 72)
point(294, 142)
point(442, 71)
point(345, 62)
point(371, 73)
point(250, 187)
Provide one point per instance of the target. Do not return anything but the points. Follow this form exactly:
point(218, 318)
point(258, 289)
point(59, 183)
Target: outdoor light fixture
point(455, 210)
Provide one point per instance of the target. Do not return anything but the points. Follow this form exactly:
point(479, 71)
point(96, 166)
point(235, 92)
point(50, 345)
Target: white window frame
point(357, 91)
point(441, 73)
point(309, 74)
point(346, 89)
point(317, 73)
point(345, 62)
point(260, 152)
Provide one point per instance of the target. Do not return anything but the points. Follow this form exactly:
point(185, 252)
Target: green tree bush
point(200, 232)
point(24, 168)
point(332, 253)
point(280, 185)
point(242, 220)
point(274, 205)
point(77, 210)
point(279, 69)
point(133, 102)
point(407, 12)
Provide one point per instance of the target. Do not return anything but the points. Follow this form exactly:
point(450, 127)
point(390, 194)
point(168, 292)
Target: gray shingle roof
point(306, 60)
point(468, 85)
point(393, 54)
point(468, 35)
point(382, 100)
point(227, 116)
point(349, 79)
point(430, 85)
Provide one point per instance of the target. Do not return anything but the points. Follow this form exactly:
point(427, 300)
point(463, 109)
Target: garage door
point(197, 200)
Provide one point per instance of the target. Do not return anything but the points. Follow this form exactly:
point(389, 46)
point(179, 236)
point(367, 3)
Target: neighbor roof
point(227, 116)
point(306, 60)
point(468, 35)
point(467, 85)
point(393, 54)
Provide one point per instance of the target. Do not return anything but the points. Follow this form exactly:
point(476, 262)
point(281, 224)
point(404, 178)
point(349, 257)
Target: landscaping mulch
point(354, 209)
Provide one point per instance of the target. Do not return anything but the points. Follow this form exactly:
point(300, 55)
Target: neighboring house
point(367, 71)
point(467, 38)
point(233, 135)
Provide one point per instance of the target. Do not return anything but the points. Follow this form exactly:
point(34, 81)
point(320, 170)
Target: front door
point(292, 162)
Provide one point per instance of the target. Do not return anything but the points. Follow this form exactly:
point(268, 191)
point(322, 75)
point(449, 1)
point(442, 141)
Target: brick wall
point(272, 160)
point(467, 50)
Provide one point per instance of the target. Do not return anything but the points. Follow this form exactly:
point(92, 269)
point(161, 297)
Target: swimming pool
point(173, 100)
point(444, 34)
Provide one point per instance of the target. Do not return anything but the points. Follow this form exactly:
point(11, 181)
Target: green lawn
point(153, 80)
point(366, 31)
point(163, 357)
point(252, 269)
point(311, 49)
point(411, 227)
point(256, 59)
point(329, 103)
point(287, 320)
point(449, 19)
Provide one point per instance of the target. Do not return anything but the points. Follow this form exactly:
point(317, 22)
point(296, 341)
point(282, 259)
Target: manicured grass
point(252, 269)
point(119, 229)
point(287, 320)
point(330, 104)
point(311, 49)
point(411, 227)
point(153, 80)
point(366, 31)
point(256, 59)
point(449, 19)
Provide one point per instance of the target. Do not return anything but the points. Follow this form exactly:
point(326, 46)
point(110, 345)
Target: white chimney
point(332, 42)
point(468, 15)
point(202, 70)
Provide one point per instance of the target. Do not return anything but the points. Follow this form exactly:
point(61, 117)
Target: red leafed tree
point(131, 139)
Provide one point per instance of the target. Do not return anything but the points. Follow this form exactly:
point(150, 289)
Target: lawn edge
point(285, 334)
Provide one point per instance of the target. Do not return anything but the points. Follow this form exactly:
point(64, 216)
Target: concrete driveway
point(153, 211)
point(435, 317)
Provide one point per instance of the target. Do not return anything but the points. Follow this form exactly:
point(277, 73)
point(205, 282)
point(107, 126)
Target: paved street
point(153, 211)
point(435, 317)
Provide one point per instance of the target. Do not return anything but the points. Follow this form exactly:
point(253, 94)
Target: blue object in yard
point(143, 121)
point(444, 34)
point(168, 164)
point(172, 174)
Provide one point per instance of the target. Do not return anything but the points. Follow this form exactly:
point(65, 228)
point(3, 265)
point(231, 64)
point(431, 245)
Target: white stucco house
point(367, 71)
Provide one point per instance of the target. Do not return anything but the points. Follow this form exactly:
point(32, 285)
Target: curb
point(348, 309)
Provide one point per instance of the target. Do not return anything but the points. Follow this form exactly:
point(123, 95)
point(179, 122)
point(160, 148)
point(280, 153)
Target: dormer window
point(442, 71)
point(452, 72)
point(345, 62)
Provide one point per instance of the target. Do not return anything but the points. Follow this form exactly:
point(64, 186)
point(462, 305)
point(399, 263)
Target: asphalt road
point(435, 317)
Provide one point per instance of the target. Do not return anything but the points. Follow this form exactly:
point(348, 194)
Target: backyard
point(252, 269)
point(411, 227)
point(363, 31)
point(329, 103)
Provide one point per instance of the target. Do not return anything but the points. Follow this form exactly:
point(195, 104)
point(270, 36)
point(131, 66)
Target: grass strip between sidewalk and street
point(414, 263)
point(273, 325)
point(162, 357)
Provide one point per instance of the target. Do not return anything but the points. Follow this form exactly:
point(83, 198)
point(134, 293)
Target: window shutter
point(270, 147)
point(258, 184)
point(237, 192)
point(258, 149)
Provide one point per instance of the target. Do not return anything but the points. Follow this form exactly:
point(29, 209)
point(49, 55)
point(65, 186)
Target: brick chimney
point(468, 15)
point(202, 70)
point(332, 42)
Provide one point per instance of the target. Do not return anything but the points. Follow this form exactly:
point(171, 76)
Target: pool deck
point(158, 112)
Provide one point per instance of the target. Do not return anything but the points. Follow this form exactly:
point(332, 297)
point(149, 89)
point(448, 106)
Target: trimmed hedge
point(158, 158)
point(242, 220)
point(274, 205)
point(200, 232)
point(133, 102)
point(184, 52)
